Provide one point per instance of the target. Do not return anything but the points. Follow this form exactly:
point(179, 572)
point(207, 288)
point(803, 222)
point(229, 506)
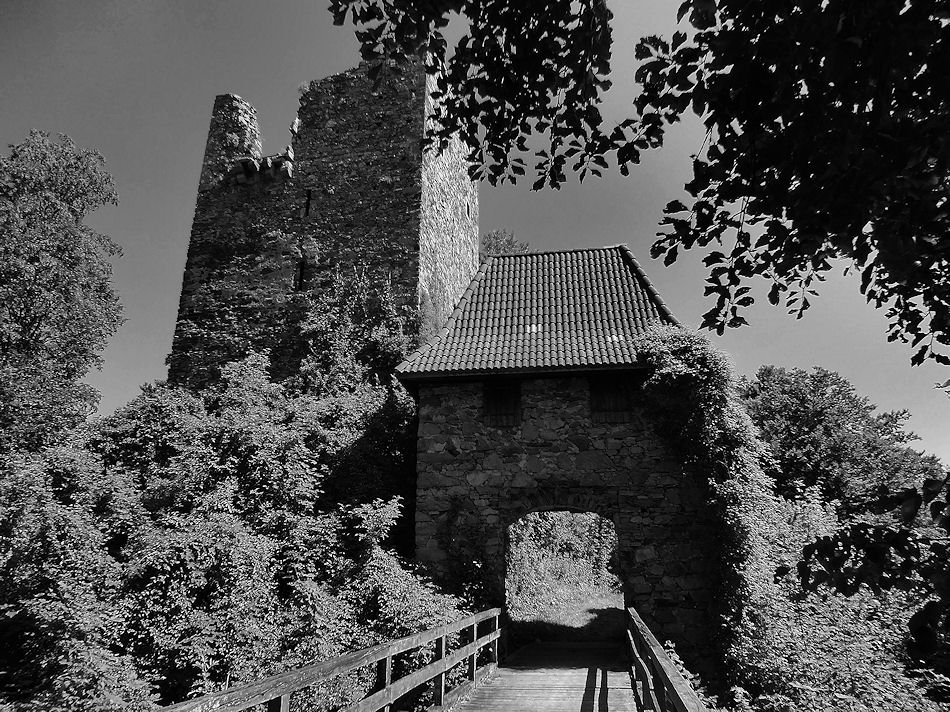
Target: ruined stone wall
point(243, 252)
point(353, 190)
point(474, 480)
point(359, 155)
point(448, 239)
point(234, 133)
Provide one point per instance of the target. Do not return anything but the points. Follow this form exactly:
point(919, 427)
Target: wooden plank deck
point(558, 677)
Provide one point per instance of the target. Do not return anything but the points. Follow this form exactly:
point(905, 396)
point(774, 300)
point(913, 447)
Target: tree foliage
point(57, 306)
point(824, 435)
point(782, 649)
point(193, 540)
point(817, 651)
point(910, 553)
point(832, 449)
point(501, 242)
point(826, 132)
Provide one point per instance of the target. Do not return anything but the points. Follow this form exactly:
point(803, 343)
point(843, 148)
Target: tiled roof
point(544, 311)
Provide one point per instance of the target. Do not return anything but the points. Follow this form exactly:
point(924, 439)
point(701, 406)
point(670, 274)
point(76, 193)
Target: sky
point(137, 78)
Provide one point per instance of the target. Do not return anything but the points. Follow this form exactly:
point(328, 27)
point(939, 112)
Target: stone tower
point(353, 189)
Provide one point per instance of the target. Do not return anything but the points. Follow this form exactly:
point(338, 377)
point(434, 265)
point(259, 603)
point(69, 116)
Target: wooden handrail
point(276, 690)
point(657, 682)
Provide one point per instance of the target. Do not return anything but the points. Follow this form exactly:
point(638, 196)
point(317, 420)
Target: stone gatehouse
point(528, 401)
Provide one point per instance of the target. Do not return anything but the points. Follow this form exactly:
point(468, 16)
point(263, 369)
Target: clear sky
point(137, 78)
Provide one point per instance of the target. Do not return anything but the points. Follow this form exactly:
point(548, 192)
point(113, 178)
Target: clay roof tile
point(544, 311)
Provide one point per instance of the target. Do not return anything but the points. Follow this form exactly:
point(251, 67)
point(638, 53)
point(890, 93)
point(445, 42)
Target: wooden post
point(493, 646)
point(657, 682)
point(439, 679)
point(473, 658)
point(279, 704)
point(384, 676)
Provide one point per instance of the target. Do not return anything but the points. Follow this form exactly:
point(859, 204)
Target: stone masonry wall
point(475, 480)
point(358, 152)
point(244, 249)
point(353, 190)
point(448, 238)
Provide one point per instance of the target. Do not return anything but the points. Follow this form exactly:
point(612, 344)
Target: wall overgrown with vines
point(692, 396)
point(783, 649)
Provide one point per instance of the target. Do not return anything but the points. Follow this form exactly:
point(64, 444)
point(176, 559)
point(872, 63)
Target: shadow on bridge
point(570, 676)
point(604, 625)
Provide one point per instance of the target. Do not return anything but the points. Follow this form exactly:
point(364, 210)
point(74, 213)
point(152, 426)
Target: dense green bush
point(821, 651)
point(193, 541)
point(692, 396)
point(783, 650)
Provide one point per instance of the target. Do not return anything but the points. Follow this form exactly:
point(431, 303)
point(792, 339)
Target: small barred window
point(502, 403)
point(613, 398)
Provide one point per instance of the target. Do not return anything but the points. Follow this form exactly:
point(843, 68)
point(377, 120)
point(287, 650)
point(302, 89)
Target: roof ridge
point(463, 300)
point(631, 259)
point(553, 252)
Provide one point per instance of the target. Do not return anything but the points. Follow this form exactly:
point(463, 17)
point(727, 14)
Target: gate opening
point(562, 580)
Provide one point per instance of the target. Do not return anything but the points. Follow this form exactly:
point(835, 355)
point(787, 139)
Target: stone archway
point(562, 579)
point(474, 480)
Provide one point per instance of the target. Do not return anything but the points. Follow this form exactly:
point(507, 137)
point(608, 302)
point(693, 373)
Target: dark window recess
point(502, 403)
point(307, 203)
point(614, 398)
point(300, 274)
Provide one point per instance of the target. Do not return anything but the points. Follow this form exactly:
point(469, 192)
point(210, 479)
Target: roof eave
point(661, 306)
point(474, 374)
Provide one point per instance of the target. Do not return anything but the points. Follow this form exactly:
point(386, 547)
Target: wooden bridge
point(464, 672)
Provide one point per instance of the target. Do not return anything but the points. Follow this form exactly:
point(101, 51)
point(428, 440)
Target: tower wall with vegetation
point(355, 189)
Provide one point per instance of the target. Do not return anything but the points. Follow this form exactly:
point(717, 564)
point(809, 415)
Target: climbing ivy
point(692, 396)
point(781, 649)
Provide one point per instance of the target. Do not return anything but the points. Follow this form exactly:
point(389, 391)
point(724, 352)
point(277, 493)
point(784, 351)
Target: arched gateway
point(528, 401)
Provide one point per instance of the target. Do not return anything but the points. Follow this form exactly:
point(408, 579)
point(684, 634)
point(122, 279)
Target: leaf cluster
point(826, 132)
point(196, 540)
point(825, 141)
point(57, 306)
point(520, 69)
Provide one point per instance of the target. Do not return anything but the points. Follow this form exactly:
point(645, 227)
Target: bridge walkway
point(573, 677)
point(556, 677)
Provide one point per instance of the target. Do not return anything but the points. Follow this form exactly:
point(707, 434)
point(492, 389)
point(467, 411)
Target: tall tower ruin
point(353, 189)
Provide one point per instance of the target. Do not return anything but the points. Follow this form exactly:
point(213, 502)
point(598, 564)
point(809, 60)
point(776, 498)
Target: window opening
point(613, 398)
point(502, 403)
point(300, 275)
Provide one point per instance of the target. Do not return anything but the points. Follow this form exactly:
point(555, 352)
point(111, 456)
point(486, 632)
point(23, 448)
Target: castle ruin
point(353, 190)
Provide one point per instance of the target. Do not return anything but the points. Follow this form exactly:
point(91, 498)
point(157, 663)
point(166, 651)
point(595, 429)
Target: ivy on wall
point(692, 397)
point(783, 649)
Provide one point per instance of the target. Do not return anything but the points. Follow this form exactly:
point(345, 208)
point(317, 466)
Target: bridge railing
point(276, 691)
point(658, 683)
